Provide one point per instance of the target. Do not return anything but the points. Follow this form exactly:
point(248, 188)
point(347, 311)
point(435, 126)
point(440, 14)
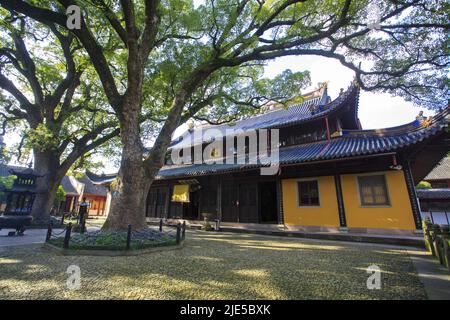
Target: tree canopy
point(161, 63)
point(51, 96)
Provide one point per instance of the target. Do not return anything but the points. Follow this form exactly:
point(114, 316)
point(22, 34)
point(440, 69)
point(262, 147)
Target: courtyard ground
point(216, 266)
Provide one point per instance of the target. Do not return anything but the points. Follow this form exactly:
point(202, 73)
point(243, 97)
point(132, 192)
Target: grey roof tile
point(306, 111)
point(441, 171)
point(441, 194)
point(352, 143)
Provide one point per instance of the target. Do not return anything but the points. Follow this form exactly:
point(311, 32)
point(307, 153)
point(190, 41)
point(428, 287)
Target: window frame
point(387, 204)
point(300, 205)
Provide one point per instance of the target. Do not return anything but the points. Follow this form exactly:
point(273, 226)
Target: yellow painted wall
point(396, 216)
point(324, 216)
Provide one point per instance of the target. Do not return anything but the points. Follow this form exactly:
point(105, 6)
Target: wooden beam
point(219, 199)
point(340, 201)
point(328, 129)
point(412, 194)
point(280, 211)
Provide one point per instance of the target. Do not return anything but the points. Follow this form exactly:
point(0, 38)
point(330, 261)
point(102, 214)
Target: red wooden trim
point(328, 129)
point(394, 160)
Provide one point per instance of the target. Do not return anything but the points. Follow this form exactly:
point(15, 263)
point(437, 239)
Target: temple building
point(77, 189)
point(333, 175)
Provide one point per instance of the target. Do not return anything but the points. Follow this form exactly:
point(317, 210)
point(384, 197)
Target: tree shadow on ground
point(217, 266)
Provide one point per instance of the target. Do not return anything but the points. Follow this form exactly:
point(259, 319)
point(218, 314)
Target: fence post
point(49, 232)
point(160, 225)
point(446, 216)
point(83, 225)
point(67, 236)
point(431, 215)
point(129, 237)
point(178, 232)
point(183, 230)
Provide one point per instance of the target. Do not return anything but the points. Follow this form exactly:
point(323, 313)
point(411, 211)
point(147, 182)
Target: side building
point(435, 202)
point(75, 191)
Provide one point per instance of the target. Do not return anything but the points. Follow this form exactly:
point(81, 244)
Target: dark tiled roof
point(306, 111)
point(68, 183)
point(441, 171)
point(91, 188)
point(441, 194)
point(21, 188)
point(101, 178)
point(354, 143)
point(69, 186)
point(5, 170)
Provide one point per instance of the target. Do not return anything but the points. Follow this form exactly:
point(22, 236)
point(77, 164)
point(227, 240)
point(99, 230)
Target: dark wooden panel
point(229, 203)
point(208, 201)
point(156, 201)
point(248, 203)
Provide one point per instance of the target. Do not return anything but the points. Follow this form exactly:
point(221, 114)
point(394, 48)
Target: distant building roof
point(70, 185)
point(432, 194)
point(91, 188)
point(101, 178)
point(5, 169)
point(441, 171)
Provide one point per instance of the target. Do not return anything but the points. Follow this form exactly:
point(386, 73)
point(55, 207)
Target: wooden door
point(230, 203)
point(161, 194)
point(248, 203)
point(209, 200)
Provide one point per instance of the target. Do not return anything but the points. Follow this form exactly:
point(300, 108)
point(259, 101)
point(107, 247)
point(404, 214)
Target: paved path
point(31, 236)
point(435, 278)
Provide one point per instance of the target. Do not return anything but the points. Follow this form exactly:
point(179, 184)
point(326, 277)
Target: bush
point(423, 185)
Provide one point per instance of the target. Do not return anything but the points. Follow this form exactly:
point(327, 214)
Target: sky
point(376, 110)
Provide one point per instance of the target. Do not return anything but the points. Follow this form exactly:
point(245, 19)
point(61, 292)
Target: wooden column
point(340, 201)
point(412, 194)
point(219, 199)
point(167, 203)
point(280, 201)
point(328, 129)
point(200, 195)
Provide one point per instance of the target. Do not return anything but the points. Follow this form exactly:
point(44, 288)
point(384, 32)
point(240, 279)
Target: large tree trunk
point(136, 175)
point(50, 175)
point(129, 191)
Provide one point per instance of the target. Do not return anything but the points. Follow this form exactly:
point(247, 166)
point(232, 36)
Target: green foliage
point(41, 138)
point(4, 154)
point(423, 185)
point(63, 105)
point(6, 182)
point(60, 196)
point(406, 55)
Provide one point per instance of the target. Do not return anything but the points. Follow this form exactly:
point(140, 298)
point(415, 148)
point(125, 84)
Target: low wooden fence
point(437, 241)
point(437, 217)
